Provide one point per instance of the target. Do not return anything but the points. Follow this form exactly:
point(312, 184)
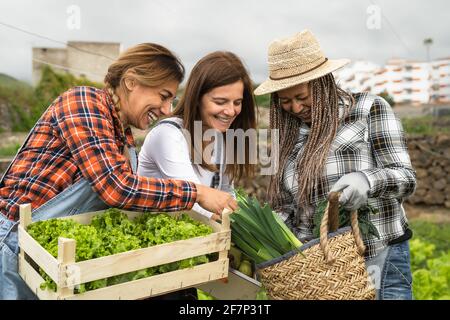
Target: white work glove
point(355, 190)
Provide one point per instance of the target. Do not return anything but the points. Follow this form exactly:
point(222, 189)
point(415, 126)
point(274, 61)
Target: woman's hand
point(355, 189)
point(215, 201)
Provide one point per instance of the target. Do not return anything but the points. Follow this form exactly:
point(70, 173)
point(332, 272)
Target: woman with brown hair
point(218, 96)
point(80, 155)
point(331, 140)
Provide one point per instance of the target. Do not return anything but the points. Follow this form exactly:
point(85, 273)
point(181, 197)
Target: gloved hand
point(355, 190)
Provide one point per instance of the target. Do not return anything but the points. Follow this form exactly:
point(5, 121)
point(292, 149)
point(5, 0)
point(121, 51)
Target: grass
point(427, 125)
point(9, 150)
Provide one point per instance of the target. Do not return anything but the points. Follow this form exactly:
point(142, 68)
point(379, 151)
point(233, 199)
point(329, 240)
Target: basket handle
point(330, 219)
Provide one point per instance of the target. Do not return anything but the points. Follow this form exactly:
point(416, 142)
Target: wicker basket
point(329, 268)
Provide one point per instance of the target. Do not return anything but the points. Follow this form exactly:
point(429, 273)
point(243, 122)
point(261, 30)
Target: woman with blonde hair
point(80, 155)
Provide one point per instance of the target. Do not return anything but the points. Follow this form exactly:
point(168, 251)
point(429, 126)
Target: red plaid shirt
point(80, 136)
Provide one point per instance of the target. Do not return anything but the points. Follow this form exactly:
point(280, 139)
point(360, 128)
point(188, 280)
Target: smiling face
point(144, 105)
point(221, 106)
point(297, 101)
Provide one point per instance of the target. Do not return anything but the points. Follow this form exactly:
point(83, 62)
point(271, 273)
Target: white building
point(440, 80)
point(355, 76)
point(80, 58)
point(411, 82)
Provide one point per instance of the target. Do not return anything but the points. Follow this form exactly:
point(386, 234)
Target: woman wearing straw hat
point(331, 140)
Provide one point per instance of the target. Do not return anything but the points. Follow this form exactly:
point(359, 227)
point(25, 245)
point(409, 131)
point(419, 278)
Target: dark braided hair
point(326, 96)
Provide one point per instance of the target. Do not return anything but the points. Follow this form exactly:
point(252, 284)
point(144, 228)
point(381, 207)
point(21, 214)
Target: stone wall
point(431, 160)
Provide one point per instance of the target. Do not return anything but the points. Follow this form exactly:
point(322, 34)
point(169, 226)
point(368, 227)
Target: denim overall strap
point(133, 159)
point(219, 145)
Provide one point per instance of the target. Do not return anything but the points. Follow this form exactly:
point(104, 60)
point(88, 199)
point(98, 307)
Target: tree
point(51, 85)
point(428, 42)
point(386, 96)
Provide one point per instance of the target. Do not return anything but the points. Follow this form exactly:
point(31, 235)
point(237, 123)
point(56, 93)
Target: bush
point(53, 84)
point(263, 101)
point(427, 125)
point(386, 96)
point(18, 97)
point(9, 150)
point(25, 105)
point(430, 260)
point(431, 275)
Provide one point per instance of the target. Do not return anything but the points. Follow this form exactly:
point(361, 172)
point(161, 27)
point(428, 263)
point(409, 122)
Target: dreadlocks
point(326, 96)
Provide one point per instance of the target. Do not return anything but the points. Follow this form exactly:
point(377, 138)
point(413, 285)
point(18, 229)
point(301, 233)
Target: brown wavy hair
point(149, 64)
point(218, 69)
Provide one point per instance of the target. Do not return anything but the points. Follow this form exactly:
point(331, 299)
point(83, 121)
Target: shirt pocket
point(350, 149)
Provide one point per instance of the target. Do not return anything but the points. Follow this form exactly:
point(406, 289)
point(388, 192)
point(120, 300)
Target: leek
point(259, 232)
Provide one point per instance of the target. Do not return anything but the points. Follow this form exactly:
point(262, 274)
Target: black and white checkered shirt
point(371, 141)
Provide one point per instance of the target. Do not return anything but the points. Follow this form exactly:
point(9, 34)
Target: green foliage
point(430, 260)
point(420, 252)
point(437, 234)
point(366, 227)
point(112, 233)
point(51, 85)
point(263, 101)
point(21, 120)
point(389, 99)
point(18, 97)
point(202, 295)
point(430, 271)
point(26, 105)
point(262, 294)
point(426, 125)
point(9, 150)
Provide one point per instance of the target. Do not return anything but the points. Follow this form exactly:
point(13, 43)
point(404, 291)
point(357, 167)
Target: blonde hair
point(149, 64)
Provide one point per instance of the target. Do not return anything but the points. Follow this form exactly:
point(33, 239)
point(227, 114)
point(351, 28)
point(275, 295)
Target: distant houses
point(408, 82)
point(80, 58)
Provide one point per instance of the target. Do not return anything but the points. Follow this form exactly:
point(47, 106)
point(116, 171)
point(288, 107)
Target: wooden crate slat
point(129, 261)
point(34, 281)
point(66, 256)
point(36, 252)
point(159, 284)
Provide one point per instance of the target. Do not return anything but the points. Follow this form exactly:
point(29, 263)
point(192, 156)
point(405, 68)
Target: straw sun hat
point(296, 60)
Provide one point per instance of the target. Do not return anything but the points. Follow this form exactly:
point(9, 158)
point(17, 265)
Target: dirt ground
point(428, 213)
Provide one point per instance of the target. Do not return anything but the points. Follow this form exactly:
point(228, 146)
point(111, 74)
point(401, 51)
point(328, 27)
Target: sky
point(373, 30)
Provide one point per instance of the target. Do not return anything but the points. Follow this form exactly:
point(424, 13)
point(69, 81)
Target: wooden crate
point(67, 273)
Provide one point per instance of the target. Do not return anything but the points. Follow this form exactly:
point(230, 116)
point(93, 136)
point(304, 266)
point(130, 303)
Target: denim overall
point(76, 199)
